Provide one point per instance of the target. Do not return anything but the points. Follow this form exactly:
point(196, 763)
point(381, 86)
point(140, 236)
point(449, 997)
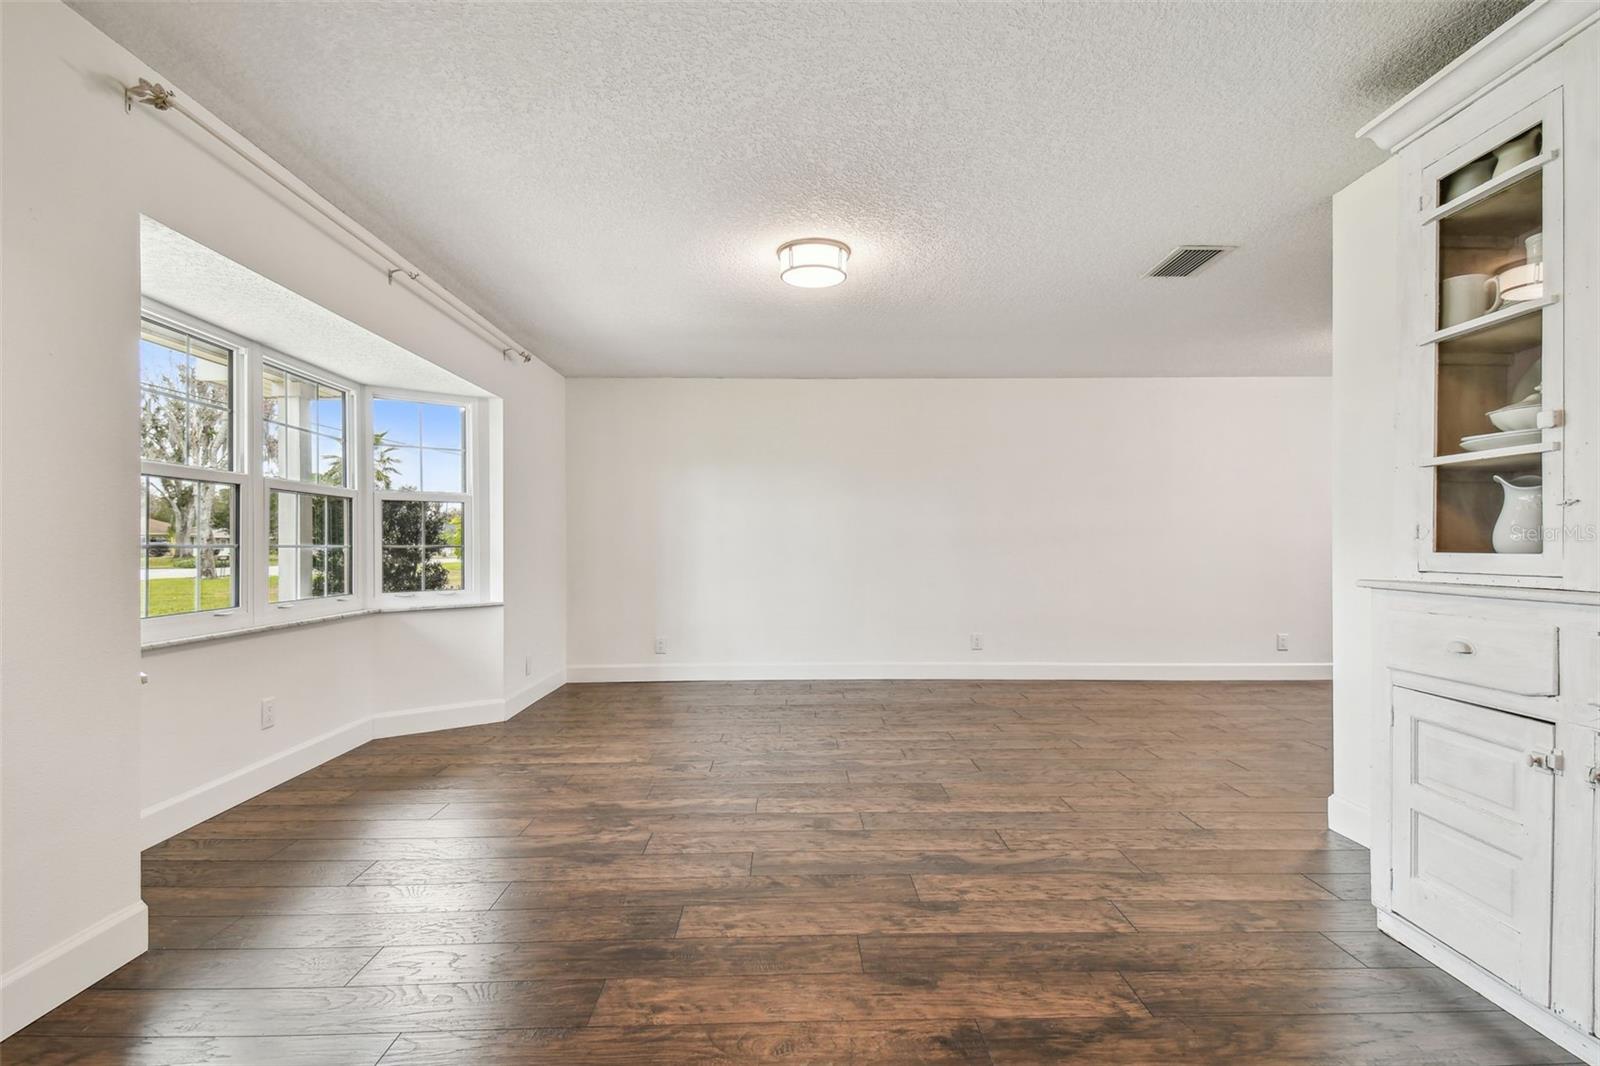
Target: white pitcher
point(1520, 528)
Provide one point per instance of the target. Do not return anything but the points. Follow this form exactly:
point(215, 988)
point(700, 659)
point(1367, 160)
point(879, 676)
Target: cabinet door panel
point(1473, 823)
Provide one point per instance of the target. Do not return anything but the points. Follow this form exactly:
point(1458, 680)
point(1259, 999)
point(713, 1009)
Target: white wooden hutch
point(1487, 690)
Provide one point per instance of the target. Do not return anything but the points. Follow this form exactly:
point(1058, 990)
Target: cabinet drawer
point(1517, 657)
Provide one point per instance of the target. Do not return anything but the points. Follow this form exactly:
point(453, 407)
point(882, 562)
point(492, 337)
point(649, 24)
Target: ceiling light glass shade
point(813, 263)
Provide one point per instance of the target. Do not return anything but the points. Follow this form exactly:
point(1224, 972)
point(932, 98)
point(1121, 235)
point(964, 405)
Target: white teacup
point(1465, 297)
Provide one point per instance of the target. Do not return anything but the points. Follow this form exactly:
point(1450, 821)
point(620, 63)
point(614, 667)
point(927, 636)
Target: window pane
point(275, 389)
point(210, 437)
point(330, 460)
point(214, 566)
point(302, 396)
point(444, 524)
point(402, 469)
point(402, 569)
point(212, 373)
point(441, 471)
point(162, 360)
point(301, 526)
point(339, 524)
point(330, 411)
point(396, 421)
point(402, 522)
point(444, 569)
point(185, 398)
point(191, 579)
point(304, 424)
point(273, 461)
point(173, 588)
point(163, 426)
point(188, 546)
point(337, 579)
point(441, 425)
point(291, 454)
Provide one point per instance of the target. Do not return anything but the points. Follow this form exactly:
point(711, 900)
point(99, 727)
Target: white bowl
point(1516, 416)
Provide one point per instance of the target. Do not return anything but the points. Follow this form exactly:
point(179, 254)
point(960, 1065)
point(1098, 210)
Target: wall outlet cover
point(1283, 642)
point(976, 643)
point(269, 712)
point(661, 645)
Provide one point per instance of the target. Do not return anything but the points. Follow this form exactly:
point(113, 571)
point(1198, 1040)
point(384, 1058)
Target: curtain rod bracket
point(155, 94)
point(412, 274)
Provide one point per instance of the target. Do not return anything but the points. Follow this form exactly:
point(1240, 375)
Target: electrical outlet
point(527, 666)
point(976, 642)
point(269, 712)
point(661, 645)
point(1283, 642)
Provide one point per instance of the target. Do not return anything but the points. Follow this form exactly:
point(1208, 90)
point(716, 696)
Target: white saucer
point(1511, 438)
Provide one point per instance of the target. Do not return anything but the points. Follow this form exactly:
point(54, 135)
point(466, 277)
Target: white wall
point(1366, 339)
point(85, 751)
point(1091, 527)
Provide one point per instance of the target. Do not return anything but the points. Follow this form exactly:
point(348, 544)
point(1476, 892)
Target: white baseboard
point(950, 671)
point(162, 820)
point(532, 693)
point(58, 973)
point(439, 716)
point(1350, 820)
point(1542, 1021)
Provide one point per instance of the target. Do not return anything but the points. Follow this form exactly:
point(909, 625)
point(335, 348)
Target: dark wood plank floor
point(827, 872)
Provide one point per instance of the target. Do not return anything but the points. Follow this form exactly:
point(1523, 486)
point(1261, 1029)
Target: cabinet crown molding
point(1522, 40)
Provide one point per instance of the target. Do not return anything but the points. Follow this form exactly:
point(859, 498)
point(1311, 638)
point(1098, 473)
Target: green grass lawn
point(176, 596)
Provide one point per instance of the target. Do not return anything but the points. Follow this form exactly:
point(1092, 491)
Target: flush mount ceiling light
point(813, 262)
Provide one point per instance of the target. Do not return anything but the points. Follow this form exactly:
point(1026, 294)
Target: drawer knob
point(1458, 647)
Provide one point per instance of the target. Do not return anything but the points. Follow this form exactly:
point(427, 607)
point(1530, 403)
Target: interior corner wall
point(1366, 338)
point(1104, 528)
point(85, 748)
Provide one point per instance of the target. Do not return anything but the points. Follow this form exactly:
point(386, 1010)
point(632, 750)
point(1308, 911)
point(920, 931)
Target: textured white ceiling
point(189, 277)
point(610, 181)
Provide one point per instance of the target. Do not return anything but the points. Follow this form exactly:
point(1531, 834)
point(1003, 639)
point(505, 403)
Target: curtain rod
point(163, 99)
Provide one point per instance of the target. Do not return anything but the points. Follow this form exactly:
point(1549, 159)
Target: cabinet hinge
point(1551, 762)
point(1416, 531)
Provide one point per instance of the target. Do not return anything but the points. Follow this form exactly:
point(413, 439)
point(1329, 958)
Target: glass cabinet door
point(1491, 336)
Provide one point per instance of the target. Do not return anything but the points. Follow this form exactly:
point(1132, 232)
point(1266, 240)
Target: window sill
point(296, 623)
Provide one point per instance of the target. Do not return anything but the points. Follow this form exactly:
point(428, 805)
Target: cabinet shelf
point(1490, 188)
point(1523, 456)
point(1493, 321)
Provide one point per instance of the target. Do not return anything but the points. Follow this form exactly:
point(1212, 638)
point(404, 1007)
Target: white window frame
point(320, 606)
point(364, 594)
point(474, 505)
point(198, 623)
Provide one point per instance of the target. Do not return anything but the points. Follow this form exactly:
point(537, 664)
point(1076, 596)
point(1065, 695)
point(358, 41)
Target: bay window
point(279, 516)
